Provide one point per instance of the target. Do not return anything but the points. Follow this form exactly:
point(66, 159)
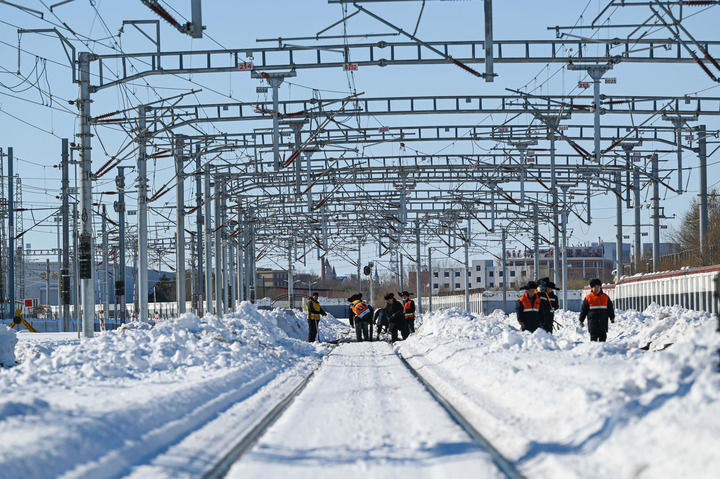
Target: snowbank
point(561, 406)
point(8, 339)
point(97, 407)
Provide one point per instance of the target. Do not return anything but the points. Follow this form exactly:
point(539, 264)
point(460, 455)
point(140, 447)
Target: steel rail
point(221, 467)
point(505, 465)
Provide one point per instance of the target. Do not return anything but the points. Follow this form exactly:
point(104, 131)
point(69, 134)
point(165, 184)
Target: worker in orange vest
point(597, 307)
point(409, 309)
point(527, 308)
point(363, 317)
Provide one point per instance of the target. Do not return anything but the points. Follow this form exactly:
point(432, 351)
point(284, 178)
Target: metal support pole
point(359, 266)
point(504, 268)
point(47, 282)
point(489, 65)
point(564, 259)
point(656, 212)
point(291, 285)
point(208, 244)
point(536, 241)
point(218, 250)
point(180, 226)
point(418, 262)
point(240, 251)
point(232, 287)
point(76, 268)
point(223, 272)
point(618, 227)
point(678, 123)
point(275, 79)
point(466, 273)
point(402, 269)
point(248, 279)
point(555, 213)
point(564, 251)
point(120, 279)
point(106, 264)
point(430, 275)
point(86, 259)
point(142, 186)
point(637, 241)
point(201, 290)
point(65, 208)
point(703, 217)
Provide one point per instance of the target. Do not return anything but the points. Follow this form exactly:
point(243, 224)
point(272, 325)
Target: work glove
point(612, 320)
point(582, 324)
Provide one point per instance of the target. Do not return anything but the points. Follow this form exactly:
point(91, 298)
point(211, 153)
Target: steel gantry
point(310, 180)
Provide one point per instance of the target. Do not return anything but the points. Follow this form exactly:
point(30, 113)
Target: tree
point(687, 236)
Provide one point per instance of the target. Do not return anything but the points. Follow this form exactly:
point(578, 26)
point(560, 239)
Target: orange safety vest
point(361, 309)
point(597, 301)
point(527, 305)
point(406, 306)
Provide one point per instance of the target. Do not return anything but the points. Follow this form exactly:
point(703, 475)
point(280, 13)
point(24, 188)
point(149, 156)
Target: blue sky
point(238, 24)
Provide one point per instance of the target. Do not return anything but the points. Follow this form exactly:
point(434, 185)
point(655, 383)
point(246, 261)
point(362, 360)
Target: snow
point(168, 401)
point(8, 339)
point(560, 406)
point(97, 408)
point(365, 415)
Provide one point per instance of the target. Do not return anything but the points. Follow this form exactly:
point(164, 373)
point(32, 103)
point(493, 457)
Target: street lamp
point(309, 285)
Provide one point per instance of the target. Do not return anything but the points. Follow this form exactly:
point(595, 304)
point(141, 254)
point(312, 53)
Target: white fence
point(691, 288)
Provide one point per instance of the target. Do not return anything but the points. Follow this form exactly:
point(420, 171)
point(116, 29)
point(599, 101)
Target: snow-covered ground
point(102, 407)
point(364, 415)
point(560, 406)
point(168, 401)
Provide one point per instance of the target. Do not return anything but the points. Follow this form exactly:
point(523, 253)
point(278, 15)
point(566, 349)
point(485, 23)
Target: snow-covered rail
point(502, 463)
point(366, 413)
point(221, 467)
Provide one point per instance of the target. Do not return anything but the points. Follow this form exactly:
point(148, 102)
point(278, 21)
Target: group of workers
point(397, 317)
point(536, 308)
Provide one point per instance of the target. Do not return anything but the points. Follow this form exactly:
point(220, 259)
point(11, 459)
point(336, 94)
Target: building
point(483, 274)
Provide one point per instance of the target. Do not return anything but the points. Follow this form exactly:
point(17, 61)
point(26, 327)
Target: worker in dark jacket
point(527, 308)
point(380, 321)
point(395, 315)
point(597, 308)
point(548, 304)
point(314, 311)
point(409, 308)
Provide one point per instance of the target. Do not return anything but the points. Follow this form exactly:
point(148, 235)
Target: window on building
point(501, 274)
point(435, 286)
point(523, 273)
point(457, 285)
point(446, 285)
point(492, 273)
point(457, 274)
point(512, 273)
point(478, 268)
point(478, 279)
point(492, 285)
point(447, 274)
point(435, 274)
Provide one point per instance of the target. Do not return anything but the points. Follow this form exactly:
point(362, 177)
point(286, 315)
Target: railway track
point(247, 441)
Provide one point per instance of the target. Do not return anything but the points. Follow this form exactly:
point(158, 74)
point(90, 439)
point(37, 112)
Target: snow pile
point(136, 349)
point(560, 406)
point(137, 390)
point(8, 339)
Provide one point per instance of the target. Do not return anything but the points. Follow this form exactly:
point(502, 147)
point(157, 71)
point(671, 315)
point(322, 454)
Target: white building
point(483, 274)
